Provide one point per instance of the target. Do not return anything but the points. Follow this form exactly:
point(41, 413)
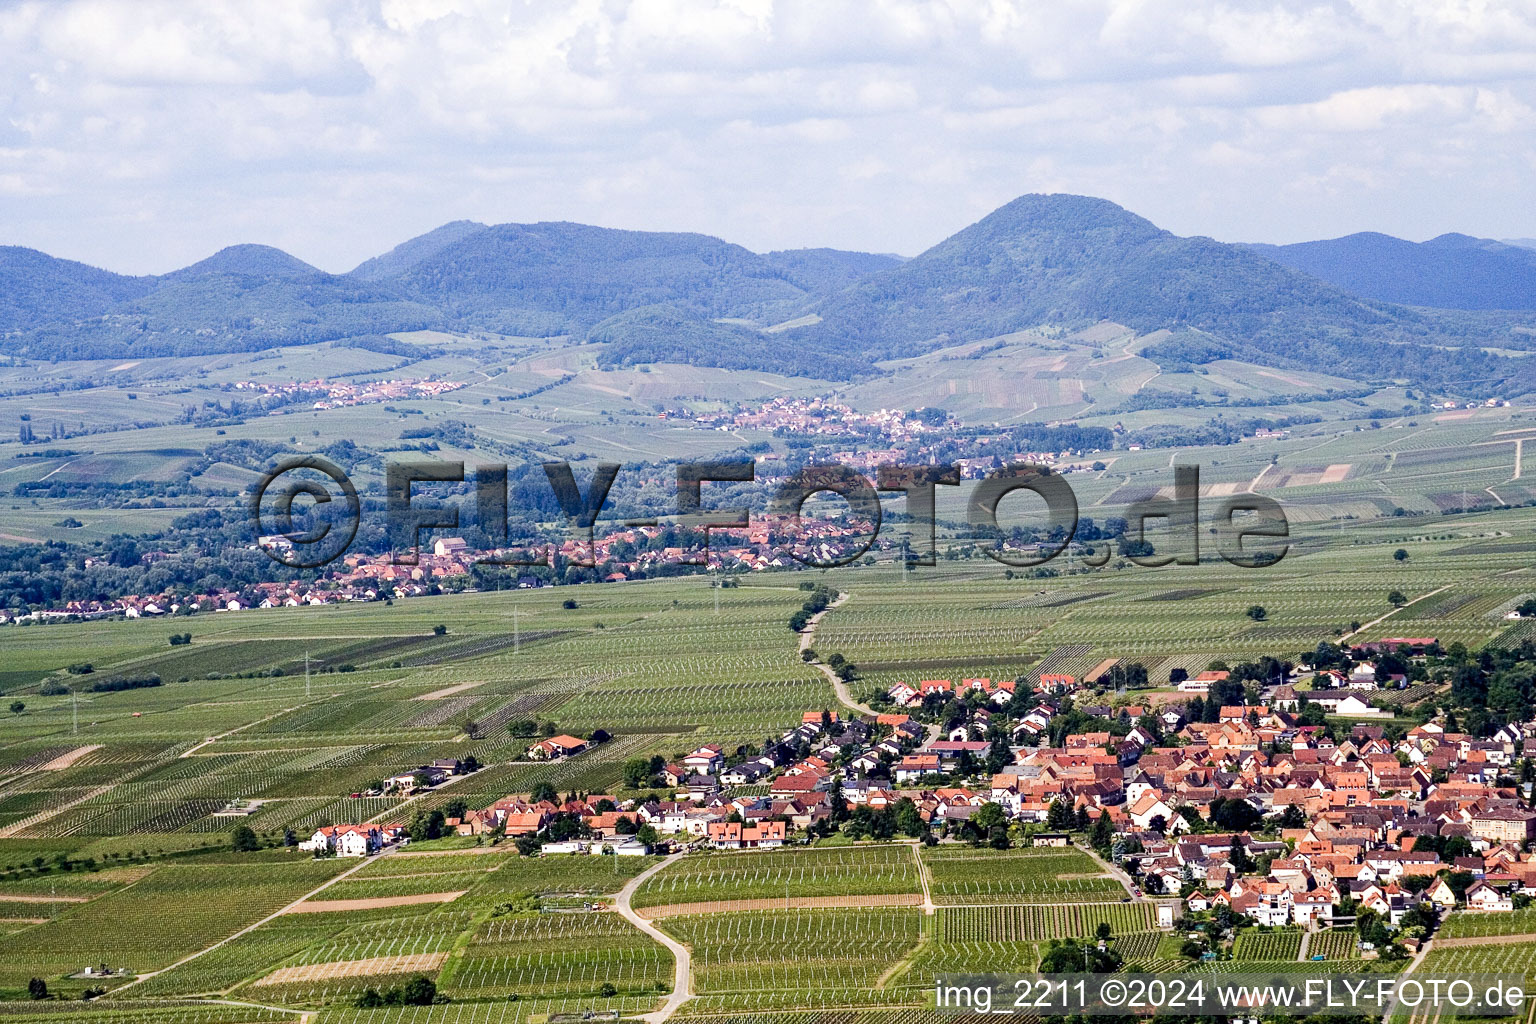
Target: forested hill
point(663, 296)
point(1451, 271)
point(1073, 259)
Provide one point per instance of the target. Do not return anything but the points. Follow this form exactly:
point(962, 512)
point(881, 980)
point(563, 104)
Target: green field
point(832, 872)
point(141, 780)
point(964, 876)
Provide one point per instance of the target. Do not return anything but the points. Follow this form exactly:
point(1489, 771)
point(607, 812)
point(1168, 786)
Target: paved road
point(1118, 874)
point(844, 695)
point(682, 959)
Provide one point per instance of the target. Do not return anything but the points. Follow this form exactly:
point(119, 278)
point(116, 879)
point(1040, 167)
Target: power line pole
point(306, 675)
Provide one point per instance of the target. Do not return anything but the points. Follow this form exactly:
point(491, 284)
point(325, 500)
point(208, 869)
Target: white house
point(1482, 896)
point(346, 840)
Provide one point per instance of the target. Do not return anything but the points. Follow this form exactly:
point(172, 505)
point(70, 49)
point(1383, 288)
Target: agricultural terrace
point(1253, 944)
point(176, 910)
point(964, 875)
point(782, 958)
point(558, 954)
point(1033, 922)
point(1465, 924)
point(138, 780)
point(836, 871)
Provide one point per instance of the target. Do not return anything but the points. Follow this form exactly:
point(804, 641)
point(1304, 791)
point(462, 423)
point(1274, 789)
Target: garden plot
point(1029, 922)
point(571, 954)
point(177, 910)
point(807, 873)
point(964, 875)
point(836, 955)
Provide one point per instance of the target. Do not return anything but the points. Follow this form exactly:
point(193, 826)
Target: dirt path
point(362, 862)
point(1485, 940)
point(1394, 611)
point(682, 959)
point(897, 899)
point(844, 695)
point(1413, 965)
point(64, 760)
point(376, 903)
point(1253, 485)
point(251, 725)
point(403, 964)
point(922, 877)
point(1306, 942)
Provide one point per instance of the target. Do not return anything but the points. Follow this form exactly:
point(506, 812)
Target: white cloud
point(143, 134)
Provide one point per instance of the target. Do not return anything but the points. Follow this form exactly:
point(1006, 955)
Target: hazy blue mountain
point(1524, 243)
point(1450, 272)
point(588, 274)
point(667, 334)
point(36, 289)
point(408, 254)
point(253, 261)
point(826, 270)
point(661, 296)
point(1074, 259)
point(1058, 258)
point(242, 298)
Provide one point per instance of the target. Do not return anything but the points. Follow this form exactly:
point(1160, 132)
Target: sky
point(143, 135)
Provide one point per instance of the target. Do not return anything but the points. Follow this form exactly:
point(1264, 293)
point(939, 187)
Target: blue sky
point(142, 135)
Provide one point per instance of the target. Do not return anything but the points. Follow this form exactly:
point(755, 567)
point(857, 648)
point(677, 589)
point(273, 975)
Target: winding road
point(682, 959)
point(844, 695)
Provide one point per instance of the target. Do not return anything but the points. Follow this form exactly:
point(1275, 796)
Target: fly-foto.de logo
point(1244, 528)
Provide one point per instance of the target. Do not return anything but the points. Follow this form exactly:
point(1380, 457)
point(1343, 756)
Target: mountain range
point(1450, 272)
point(1367, 306)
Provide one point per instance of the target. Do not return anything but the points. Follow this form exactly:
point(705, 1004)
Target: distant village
point(1266, 810)
point(447, 566)
point(337, 394)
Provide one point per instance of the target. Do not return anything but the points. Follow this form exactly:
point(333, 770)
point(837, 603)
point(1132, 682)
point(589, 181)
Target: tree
point(17, 707)
point(909, 820)
point(637, 772)
point(1239, 860)
point(1401, 554)
point(1396, 599)
point(439, 629)
point(1059, 817)
point(1257, 613)
point(419, 991)
point(544, 791)
point(243, 839)
point(37, 988)
point(989, 816)
point(427, 827)
point(1102, 837)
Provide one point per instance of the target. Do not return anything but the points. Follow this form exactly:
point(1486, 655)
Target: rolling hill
point(1450, 272)
point(1072, 260)
point(1057, 261)
point(36, 288)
